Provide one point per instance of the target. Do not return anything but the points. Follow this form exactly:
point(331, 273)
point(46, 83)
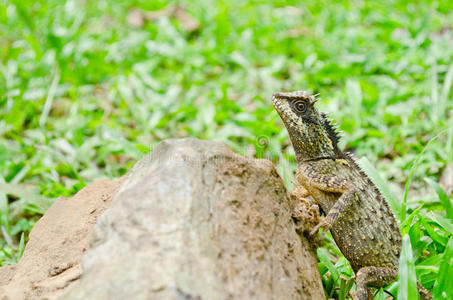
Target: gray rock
point(193, 220)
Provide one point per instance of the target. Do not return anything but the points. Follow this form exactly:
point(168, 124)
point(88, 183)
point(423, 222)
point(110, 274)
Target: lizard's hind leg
point(374, 276)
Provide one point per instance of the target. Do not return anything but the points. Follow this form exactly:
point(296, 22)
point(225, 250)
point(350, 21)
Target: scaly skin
point(357, 215)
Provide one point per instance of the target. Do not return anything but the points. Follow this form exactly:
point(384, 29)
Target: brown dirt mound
point(51, 260)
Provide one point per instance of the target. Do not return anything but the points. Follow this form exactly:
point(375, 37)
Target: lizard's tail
point(424, 293)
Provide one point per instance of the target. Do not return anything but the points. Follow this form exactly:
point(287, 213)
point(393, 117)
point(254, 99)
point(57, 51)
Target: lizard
point(357, 215)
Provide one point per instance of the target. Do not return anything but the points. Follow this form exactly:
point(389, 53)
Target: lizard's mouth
point(278, 105)
point(282, 110)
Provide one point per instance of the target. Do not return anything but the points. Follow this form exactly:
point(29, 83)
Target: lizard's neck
point(314, 144)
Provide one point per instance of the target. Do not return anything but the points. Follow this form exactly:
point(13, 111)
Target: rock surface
point(195, 221)
point(51, 260)
point(192, 220)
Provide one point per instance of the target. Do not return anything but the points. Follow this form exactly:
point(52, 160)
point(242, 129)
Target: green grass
point(84, 94)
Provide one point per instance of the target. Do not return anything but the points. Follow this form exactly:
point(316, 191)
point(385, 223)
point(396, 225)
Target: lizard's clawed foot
point(300, 192)
point(322, 223)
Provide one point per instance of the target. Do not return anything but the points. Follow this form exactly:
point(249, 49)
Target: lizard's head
point(311, 133)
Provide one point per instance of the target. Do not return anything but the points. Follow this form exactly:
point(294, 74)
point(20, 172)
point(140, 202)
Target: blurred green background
point(88, 87)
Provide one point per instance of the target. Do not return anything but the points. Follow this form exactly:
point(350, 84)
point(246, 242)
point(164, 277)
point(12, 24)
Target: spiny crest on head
point(332, 131)
point(314, 98)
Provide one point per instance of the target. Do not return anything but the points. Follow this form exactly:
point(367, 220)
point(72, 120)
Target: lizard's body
point(362, 224)
point(367, 234)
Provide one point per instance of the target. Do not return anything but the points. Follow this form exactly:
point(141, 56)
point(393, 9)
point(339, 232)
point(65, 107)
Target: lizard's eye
point(300, 106)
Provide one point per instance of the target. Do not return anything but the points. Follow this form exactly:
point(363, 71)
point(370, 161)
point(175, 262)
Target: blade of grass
point(447, 84)
point(432, 233)
point(446, 203)
point(380, 295)
point(4, 216)
point(342, 292)
point(30, 195)
point(411, 174)
point(442, 222)
point(21, 174)
point(407, 279)
point(21, 246)
point(405, 227)
point(442, 287)
point(323, 256)
point(435, 93)
point(345, 287)
point(50, 97)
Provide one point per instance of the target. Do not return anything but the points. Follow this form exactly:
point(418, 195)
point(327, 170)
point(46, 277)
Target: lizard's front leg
point(333, 184)
point(341, 206)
